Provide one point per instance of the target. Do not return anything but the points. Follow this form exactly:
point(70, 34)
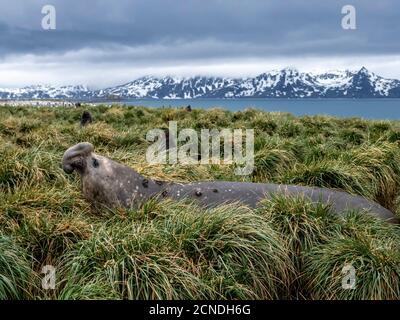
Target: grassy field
point(286, 249)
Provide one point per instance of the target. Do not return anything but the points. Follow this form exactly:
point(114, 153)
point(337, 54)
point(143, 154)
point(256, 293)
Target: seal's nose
point(68, 168)
point(74, 157)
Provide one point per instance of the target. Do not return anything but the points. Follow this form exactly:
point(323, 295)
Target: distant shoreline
point(100, 100)
point(373, 109)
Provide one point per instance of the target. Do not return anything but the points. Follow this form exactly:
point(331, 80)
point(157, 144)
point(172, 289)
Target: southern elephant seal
point(106, 183)
point(86, 118)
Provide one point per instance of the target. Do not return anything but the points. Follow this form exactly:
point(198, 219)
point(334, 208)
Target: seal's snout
point(74, 157)
point(68, 168)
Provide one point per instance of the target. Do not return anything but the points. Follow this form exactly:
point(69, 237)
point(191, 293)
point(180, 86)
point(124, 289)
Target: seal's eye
point(95, 162)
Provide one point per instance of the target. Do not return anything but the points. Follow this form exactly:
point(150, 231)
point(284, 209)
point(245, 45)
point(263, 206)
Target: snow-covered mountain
point(46, 92)
point(286, 83)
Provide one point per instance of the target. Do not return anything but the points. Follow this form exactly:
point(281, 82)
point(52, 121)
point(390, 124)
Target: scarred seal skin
point(109, 184)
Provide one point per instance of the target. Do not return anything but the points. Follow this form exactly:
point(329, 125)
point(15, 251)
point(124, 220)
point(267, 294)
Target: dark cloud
point(277, 27)
point(126, 38)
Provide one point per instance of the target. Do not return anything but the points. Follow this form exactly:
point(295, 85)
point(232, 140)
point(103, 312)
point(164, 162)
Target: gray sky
point(103, 43)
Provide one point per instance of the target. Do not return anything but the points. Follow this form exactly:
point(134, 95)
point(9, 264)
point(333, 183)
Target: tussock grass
point(285, 249)
point(15, 270)
point(371, 247)
point(301, 225)
point(176, 251)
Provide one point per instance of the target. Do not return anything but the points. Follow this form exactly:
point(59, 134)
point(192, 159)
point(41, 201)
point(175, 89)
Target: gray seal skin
point(109, 184)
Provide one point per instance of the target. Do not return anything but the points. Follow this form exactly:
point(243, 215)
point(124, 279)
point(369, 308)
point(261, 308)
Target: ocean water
point(385, 109)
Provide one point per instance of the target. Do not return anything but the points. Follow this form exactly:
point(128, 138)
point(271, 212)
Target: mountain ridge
point(286, 83)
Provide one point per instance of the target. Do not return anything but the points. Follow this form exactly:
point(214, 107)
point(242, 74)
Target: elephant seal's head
point(107, 183)
point(77, 157)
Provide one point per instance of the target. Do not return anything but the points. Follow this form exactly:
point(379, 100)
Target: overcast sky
point(103, 43)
